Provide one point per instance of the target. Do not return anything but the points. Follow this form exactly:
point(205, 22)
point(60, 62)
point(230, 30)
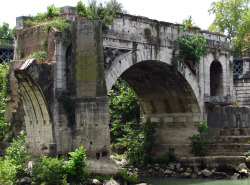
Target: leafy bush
point(4, 90)
point(192, 47)
point(40, 56)
point(124, 177)
point(12, 168)
point(247, 153)
point(51, 14)
point(49, 170)
point(148, 34)
point(198, 141)
point(104, 13)
point(75, 166)
point(139, 144)
point(8, 172)
point(60, 24)
point(57, 171)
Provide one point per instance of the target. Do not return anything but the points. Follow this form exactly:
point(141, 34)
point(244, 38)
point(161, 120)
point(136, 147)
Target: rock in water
point(206, 173)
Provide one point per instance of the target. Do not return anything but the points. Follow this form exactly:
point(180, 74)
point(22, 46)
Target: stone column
point(89, 89)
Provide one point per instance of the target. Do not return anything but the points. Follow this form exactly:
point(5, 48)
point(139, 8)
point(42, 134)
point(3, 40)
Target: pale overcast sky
point(173, 11)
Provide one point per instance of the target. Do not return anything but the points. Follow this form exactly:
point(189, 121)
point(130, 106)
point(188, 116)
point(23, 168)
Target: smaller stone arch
point(216, 79)
point(37, 118)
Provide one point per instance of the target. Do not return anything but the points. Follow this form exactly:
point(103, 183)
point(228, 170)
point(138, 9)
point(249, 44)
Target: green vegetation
point(187, 24)
point(158, 39)
point(247, 153)
point(12, 168)
point(124, 110)
point(169, 157)
point(52, 17)
point(148, 34)
point(40, 56)
point(192, 47)
point(49, 170)
point(104, 13)
point(127, 134)
point(57, 171)
point(242, 40)
point(44, 44)
point(139, 144)
point(60, 24)
point(126, 131)
point(4, 90)
point(232, 18)
point(75, 166)
point(125, 178)
point(52, 14)
point(7, 34)
point(69, 107)
point(5, 31)
point(198, 141)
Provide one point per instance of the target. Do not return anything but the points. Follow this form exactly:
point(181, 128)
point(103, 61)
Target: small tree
point(228, 16)
point(198, 141)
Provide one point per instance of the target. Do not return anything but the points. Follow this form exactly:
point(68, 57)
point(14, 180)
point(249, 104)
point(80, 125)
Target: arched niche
point(216, 87)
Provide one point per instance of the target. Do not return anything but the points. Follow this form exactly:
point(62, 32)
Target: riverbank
point(214, 167)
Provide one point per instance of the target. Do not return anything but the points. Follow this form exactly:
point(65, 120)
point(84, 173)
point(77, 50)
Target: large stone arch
point(171, 99)
point(129, 59)
point(37, 118)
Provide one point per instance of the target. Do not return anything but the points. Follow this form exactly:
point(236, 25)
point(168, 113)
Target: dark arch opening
point(166, 98)
point(159, 88)
point(216, 88)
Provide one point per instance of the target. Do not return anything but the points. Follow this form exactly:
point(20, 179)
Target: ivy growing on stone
point(198, 141)
point(69, 107)
point(192, 47)
point(44, 44)
point(148, 34)
point(158, 39)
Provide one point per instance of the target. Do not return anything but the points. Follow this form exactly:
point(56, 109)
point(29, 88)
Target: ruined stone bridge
point(86, 63)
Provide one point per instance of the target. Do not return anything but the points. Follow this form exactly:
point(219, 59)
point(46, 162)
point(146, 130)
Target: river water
point(177, 181)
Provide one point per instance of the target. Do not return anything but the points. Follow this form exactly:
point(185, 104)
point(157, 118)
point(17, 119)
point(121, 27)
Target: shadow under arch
point(170, 99)
point(40, 139)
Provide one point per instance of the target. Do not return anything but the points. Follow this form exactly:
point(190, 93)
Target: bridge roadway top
point(127, 29)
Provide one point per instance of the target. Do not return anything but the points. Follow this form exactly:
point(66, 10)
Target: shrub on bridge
point(104, 13)
point(192, 47)
point(198, 141)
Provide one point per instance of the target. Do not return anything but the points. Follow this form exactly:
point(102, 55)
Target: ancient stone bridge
point(83, 65)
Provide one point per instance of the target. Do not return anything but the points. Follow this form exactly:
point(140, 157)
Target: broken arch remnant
point(87, 70)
